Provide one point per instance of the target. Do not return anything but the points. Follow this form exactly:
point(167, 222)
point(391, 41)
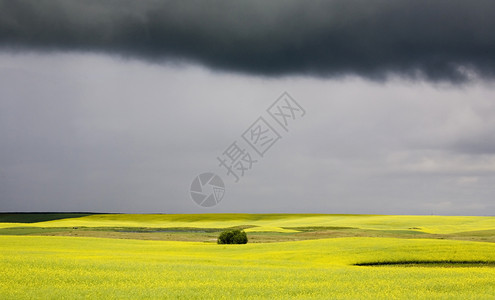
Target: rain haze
point(117, 106)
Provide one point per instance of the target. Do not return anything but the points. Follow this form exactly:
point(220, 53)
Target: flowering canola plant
point(55, 267)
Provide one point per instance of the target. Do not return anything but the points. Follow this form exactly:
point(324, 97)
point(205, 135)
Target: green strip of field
point(210, 234)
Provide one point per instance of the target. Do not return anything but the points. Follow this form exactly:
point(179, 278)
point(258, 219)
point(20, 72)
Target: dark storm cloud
point(442, 40)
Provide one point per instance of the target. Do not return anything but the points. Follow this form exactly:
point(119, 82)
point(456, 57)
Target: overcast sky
point(116, 106)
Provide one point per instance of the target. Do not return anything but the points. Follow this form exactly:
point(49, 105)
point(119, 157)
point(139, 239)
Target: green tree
point(235, 236)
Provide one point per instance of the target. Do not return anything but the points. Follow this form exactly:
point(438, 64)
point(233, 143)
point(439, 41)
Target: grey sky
point(92, 133)
point(94, 118)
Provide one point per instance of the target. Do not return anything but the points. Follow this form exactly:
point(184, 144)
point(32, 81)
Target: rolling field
point(288, 256)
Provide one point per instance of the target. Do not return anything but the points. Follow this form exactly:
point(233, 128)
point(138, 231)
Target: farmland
point(288, 256)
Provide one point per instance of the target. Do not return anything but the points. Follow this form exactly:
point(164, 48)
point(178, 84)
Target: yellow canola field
point(429, 224)
point(35, 267)
point(269, 229)
point(7, 225)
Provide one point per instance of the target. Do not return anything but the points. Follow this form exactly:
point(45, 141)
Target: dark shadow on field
point(432, 263)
